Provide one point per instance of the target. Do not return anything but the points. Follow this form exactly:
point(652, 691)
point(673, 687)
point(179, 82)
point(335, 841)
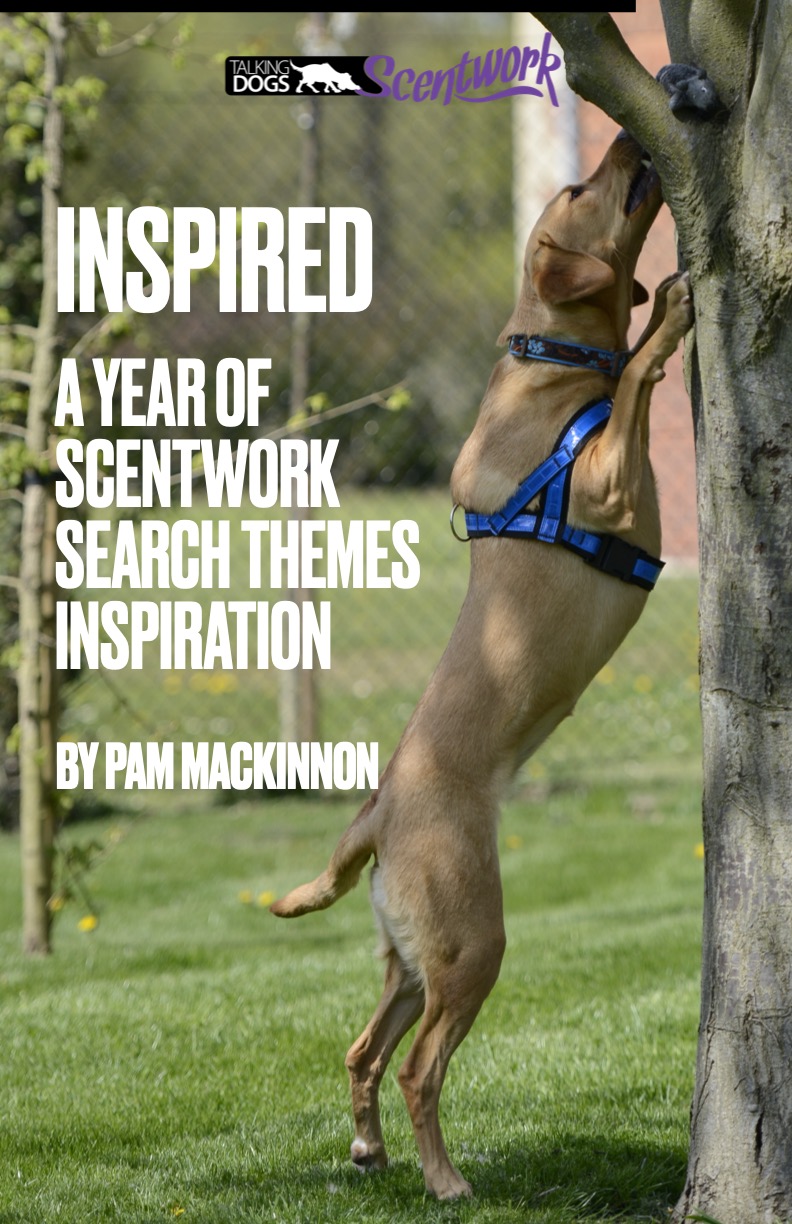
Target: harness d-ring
point(457, 536)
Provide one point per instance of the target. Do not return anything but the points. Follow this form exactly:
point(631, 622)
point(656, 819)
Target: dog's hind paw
point(366, 1158)
point(448, 1184)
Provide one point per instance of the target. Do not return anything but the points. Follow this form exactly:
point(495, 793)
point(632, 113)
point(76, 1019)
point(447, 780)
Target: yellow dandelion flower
point(536, 769)
point(172, 682)
point(606, 676)
point(88, 923)
point(698, 850)
point(265, 898)
point(177, 1211)
point(514, 841)
point(221, 682)
point(56, 903)
point(643, 684)
point(246, 896)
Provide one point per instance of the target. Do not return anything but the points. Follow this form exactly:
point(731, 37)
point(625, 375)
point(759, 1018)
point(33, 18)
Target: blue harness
point(552, 479)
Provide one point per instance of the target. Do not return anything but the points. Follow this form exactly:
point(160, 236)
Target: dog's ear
point(567, 276)
point(640, 294)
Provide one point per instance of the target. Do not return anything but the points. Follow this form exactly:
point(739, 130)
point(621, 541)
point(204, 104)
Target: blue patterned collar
point(563, 352)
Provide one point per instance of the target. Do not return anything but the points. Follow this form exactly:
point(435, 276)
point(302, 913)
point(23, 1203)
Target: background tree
point(726, 180)
point(36, 675)
point(40, 115)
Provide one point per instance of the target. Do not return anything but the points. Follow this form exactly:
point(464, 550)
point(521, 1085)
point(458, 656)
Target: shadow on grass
point(597, 1177)
point(576, 1181)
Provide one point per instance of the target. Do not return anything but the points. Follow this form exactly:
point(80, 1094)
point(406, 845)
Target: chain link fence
point(439, 184)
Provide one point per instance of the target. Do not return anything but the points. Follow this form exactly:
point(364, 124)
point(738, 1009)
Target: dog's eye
point(574, 192)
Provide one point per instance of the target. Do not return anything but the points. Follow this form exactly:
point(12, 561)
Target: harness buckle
point(454, 532)
point(616, 557)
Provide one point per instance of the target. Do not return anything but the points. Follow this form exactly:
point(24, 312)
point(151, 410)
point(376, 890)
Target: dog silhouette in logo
point(324, 74)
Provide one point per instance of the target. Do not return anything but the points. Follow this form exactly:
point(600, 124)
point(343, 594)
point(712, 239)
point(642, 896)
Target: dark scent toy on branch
point(560, 504)
point(691, 93)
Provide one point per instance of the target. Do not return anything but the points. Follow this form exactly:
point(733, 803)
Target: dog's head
point(585, 245)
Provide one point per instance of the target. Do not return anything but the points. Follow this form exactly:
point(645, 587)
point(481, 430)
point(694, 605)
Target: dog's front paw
point(660, 303)
point(679, 306)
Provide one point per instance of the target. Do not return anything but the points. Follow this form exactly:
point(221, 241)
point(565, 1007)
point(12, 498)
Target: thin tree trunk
point(36, 678)
point(299, 704)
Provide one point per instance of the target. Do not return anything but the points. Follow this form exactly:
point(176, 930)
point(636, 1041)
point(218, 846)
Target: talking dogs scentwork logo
point(280, 75)
point(500, 73)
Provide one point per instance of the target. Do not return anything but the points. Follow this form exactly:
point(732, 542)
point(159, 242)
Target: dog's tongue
point(643, 182)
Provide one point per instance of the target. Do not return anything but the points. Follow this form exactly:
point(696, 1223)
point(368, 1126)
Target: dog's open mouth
point(644, 181)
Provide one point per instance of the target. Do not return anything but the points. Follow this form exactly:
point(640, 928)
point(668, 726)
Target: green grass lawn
point(185, 1059)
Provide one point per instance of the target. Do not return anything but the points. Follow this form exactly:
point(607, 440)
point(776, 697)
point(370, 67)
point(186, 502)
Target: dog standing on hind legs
point(560, 503)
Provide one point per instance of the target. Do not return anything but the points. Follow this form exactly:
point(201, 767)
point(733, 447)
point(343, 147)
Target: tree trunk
point(727, 181)
point(36, 677)
point(740, 1166)
point(741, 1123)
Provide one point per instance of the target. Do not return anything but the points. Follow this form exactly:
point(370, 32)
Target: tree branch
point(601, 68)
point(79, 347)
point(18, 329)
point(16, 376)
point(378, 398)
point(139, 39)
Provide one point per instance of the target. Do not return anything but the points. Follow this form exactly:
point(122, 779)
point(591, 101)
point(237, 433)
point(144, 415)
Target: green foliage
point(12, 739)
point(22, 44)
point(73, 863)
point(400, 400)
point(14, 459)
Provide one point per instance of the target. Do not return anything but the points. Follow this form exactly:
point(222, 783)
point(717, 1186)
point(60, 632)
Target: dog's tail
point(342, 873)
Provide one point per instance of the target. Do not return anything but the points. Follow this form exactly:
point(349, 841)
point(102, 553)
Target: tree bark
point(36, 676)
point(727, 183)
point(740, 1165)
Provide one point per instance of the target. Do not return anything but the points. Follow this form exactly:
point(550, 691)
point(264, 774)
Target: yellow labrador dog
point(559, 498)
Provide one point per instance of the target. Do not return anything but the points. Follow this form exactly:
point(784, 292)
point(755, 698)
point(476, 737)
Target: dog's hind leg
point(454, 996)
point(400, 1006)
